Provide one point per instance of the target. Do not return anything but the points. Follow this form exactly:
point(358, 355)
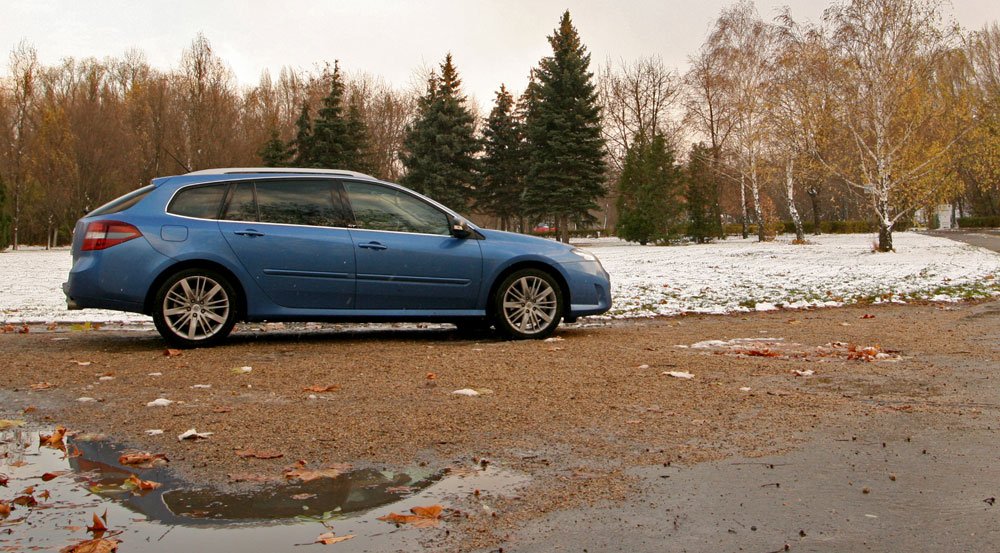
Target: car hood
point(538, 245)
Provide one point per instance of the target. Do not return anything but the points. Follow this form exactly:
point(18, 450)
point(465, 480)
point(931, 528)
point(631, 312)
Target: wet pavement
point(71, 484)
point(984, 238)
point(893, 480)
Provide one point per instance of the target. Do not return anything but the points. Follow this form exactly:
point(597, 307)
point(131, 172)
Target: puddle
point(181, 514)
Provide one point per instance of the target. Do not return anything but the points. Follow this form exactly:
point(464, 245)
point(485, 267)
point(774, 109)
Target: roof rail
point(279, 170)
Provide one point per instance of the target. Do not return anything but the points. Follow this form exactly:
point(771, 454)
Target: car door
point(291, 236)
point(406, 256)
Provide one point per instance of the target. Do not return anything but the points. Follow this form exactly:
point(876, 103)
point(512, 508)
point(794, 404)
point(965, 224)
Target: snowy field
point(728, 276)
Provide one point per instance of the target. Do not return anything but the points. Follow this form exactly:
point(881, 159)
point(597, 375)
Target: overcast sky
point(492, 41)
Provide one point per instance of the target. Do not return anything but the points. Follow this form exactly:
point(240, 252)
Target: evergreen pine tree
point(564, 130)
point(330, 139)
point(504, 162)
point(357, 144)
point(301, 146)
point(649, 205)
point(274, 152)
point(440, 146)
point(700, 193)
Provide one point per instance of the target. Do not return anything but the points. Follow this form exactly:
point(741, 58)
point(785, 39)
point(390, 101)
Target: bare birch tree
point(886, 53)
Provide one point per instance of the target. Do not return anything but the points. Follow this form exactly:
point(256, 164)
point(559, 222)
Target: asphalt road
point(985, 238)
point(893, 480)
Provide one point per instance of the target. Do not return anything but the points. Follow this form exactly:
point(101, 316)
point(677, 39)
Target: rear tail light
point(101, 235)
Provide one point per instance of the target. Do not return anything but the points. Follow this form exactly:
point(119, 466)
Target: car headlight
point(587, 256)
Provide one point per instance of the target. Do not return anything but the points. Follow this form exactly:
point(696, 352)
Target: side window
point(299, 202)
point(241, 205)
point(201, 202)
point(383, 208)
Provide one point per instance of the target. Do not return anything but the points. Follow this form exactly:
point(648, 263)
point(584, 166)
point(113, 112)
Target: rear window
point(200, 202)
point(124, 202)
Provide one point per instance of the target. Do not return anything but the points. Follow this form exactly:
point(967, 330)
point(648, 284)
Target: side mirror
point(460, 229)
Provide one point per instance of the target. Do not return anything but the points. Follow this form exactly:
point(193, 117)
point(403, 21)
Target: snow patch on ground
point(728, 276)
point(744, 275)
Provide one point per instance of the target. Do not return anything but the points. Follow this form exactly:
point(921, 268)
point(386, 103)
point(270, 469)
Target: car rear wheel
point(528, 305)
point(195, 308)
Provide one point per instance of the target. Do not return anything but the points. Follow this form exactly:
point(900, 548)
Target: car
point(545, 227)
point(202, 251)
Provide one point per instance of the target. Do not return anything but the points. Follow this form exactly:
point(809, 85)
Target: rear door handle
point(249, 232)
point(373, 246)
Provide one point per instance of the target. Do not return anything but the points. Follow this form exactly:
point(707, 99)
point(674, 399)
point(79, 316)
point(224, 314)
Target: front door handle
point(373, 246)
point(249, 232)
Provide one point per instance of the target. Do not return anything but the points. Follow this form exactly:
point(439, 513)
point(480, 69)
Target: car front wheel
point(195, 308)
point(528, 305)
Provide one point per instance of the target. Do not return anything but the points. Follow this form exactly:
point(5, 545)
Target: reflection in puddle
point(176, 502)
point(179, 516)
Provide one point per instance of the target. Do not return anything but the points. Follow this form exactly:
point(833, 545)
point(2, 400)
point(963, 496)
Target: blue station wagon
point(202, 251)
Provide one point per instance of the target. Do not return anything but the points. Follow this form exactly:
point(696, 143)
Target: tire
point(195, 308)
point(528, 304)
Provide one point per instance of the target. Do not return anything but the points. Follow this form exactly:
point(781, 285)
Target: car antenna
point(179, 162)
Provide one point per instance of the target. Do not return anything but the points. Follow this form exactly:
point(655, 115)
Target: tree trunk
point(884, 224)
point(800, 235)
point(563, 223)
point(743, 207)
point(757, 208)
point(815, 209)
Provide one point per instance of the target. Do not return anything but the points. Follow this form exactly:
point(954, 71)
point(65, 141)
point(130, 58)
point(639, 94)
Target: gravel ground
point(575, 413)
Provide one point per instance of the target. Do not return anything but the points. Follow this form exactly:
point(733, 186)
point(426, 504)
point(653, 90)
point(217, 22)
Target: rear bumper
point(70, 302)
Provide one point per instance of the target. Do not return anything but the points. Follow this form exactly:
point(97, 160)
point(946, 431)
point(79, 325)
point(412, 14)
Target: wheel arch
point(528, 264)
point(241, 304)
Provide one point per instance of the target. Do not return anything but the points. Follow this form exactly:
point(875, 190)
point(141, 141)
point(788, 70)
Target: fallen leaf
point(154, 432)
point(52, 475)
point(3, 480)
point(25, 500)
point(142, 485)
point(329, 538)
point(55, 439)
point(98, 526)
point(96, 545)
point(29, 409)
point(432, 376)
point(807, 372)
point(30, 490)
point(254, 454)
point(422, 517)
point(23, 330)
point(4, 509)
point(192, 434)
point(7, 424)
point(868, 316)
point(42, 386)
point(221, 409)
point(44, 494)
point(171, 352)
point(303, 496)
point(321, 389)
point(201, 386)
point(86, 400)
point(466, 392)
point(81, 363)
point(242, 370)
point(142, 459)
point(298, 471)
point(160, 402)
point(678, 374)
